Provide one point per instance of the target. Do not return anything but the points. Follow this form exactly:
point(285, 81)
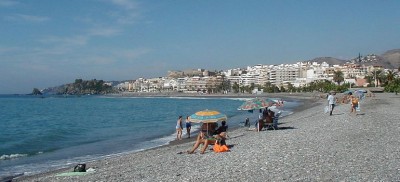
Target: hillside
point(393, 57)
point(329, 60)
point(390, 59)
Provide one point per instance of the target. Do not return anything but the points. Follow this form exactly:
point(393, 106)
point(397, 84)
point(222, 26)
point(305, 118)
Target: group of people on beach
point(265, 117)
point(354, 102)
point(210, 133)
point(179, 127)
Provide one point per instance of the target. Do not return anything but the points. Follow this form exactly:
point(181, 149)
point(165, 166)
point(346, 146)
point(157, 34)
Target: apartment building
point(298, 74)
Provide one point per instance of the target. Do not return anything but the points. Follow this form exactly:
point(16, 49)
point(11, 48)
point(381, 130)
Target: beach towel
point(220, 148)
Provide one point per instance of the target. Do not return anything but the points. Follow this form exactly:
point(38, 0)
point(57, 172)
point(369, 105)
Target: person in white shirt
point(331, 102)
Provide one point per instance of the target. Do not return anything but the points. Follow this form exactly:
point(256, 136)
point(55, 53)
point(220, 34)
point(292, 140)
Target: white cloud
point(128, 12)
point(131, 54)
point(97, 61)
point(104, 31)
point(28, 18)
point(66, 41)
point(8, 3)
point(5, 50)
point(126, 4)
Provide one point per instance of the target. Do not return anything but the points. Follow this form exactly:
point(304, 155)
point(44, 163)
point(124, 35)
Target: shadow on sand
point(285, 128)
point(337, 114)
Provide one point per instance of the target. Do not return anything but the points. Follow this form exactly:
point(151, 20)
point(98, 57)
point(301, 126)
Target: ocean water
point(40, 134)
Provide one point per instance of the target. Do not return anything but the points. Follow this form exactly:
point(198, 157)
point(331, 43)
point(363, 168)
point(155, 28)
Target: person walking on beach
point(188, 126)
point(179, 128)
point(332, 102)
point(354, 103)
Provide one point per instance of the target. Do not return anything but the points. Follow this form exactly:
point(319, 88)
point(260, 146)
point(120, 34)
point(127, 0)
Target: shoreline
point(309, 146)
point(230, 95)
point(305, 99)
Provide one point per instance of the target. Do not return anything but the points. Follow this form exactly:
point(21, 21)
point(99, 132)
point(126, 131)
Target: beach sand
point(309, 146)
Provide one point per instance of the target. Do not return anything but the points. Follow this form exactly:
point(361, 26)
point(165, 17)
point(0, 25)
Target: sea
point(39, 134)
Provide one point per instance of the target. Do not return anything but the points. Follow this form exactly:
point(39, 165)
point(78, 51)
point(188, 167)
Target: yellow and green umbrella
point(207, 116)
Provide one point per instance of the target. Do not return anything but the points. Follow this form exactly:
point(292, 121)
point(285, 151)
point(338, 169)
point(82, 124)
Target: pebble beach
point(310, 145)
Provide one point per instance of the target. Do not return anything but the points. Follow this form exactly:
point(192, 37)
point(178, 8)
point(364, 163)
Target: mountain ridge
point(389, 59)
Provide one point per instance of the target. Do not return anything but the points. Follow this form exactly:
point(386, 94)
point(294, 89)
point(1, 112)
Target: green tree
point(268, 87)
point(338, 77)
point(393, 86)
point(235, 87)
point(380, 78)
point(282, 88)
point(251, 88)
point(389, 77)
point(290, 88)
point(78, 81)
point(36, 92)
point(369, 79)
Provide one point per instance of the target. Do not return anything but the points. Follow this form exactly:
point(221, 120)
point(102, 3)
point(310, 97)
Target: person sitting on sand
point(202, 138)
point(205, 137)
point(222, 128)
point(269, 117)
point(209, 128)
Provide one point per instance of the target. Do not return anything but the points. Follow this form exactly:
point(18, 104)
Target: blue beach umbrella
point(347, 92)
point(207, 116)
point(359, 93)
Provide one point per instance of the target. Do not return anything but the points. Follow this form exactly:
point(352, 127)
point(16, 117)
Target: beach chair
point(274, 124)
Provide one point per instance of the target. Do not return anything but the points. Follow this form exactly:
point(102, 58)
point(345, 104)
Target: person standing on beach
point(354, 103)
point(179, 128)
point(332, 102)
point(188, 126)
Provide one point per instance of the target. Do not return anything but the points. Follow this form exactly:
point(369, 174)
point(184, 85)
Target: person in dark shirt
point(222, 128)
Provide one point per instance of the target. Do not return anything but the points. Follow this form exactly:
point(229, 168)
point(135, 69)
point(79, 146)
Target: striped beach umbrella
point(256, 103)
point(207, 116)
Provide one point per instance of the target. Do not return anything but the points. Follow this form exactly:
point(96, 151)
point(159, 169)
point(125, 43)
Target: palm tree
point(369, 78)
point(251, 88)
point(290, 87)
point(338, 77)
point(380, 77)
point(235, 87)
point(389, 77)
point(268, 87)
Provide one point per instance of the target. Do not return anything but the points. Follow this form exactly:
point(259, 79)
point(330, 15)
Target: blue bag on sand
point(358, 107)
point(326, 109)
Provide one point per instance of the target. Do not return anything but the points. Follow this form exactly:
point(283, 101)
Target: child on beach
point(188, 126)
point(179, 128)
point(354, 103)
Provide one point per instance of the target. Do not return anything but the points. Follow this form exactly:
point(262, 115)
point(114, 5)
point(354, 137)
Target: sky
point(48, 43)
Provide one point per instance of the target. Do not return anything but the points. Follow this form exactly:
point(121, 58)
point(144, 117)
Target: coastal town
point(358, 72)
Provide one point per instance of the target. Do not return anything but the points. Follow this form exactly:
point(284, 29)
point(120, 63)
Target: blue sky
point(47, 43)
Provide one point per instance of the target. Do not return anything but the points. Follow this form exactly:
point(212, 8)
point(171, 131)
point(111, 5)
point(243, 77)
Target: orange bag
point(220, 148)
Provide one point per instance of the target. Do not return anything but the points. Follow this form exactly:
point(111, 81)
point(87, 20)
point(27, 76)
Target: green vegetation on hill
point(83, 87)
point(36, 92)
